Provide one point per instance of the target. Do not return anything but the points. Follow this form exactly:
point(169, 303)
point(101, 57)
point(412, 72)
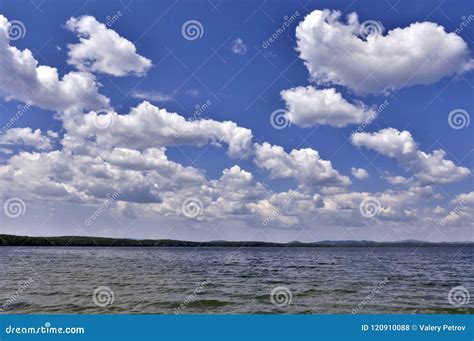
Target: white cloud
point(234, 191)
point(305, 165)
point(462, 214)
point(308, 106)
point(88, 179)
point(359, 173)
point(285, 209)
point(421, 53)
point(150, 185)
point(239, 47)
point(296, 209)
point(26, 137)
point(464, 198)
point(149, 126)
point(389, 142)
point(23, 79)
point(438, 210)
point(398, 180)
point(103, 50)
point(428, 168)
point(52, 134)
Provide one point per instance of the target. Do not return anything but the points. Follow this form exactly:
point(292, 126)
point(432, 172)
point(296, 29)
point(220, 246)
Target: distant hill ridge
point(12, 240)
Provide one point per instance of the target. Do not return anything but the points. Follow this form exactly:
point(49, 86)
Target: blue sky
point(244, 87)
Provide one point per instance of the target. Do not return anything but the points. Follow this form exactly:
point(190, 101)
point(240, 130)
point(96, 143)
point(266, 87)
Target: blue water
point(232, 280)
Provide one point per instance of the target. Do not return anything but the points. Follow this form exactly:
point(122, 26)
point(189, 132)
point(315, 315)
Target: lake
point(301, 280)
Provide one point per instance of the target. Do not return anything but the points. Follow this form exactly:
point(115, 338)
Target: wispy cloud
point(155, 96)
point(239, 47)
point(192, 92)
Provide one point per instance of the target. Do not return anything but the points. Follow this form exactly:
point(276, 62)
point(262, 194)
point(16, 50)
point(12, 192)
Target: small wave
point(208, 303)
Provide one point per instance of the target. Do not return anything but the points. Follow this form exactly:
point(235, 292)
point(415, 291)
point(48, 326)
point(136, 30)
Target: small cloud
point(439, 210)
point(397, 180)
point(192, 92)
point(52, 134)
point(359, 173)
point(238, 47)
point(155, 96)
point(269, 54)
point(6, 151)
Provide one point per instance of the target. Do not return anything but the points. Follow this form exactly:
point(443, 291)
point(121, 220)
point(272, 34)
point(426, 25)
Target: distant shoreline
point(85, 241)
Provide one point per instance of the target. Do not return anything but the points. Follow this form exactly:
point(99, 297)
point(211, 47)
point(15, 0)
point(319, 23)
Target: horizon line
point(7, 239)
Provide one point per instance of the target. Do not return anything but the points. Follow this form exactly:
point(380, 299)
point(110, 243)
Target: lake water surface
point(234, 280)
